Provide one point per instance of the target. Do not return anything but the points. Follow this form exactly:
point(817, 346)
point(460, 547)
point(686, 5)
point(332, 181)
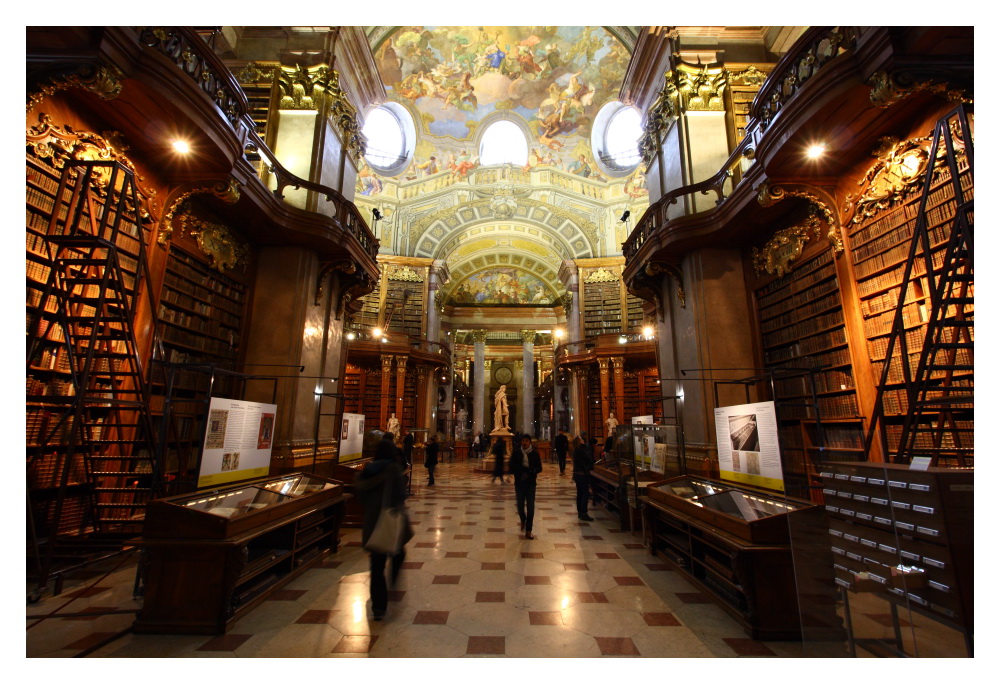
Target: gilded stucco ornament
point(345, 265)
point(888, 89)
point(405, 274)
point(897, 173)
point(601, 275)
point(699, 88)
point(657, 267)
point(567, 303)
point(659, 118)
point(103, 81)
point(307, 89)
point(63, 144)
point(784, 247)
point(769, 195)
point(228, 191)
point(216, 241)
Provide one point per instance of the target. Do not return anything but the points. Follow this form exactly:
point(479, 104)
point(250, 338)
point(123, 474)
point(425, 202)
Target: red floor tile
point(469, 523)
point(593, 537)
point(443, 517)
point(550, 517)
point(286, 595)
point(608, 556)
point(544, 617)
point(412, 565)
point(495, 545)
point(446, 579)
point(487, 645)
point(628, 581)
point(748, 647)
point(659, 566)
point(661, 620)
point(591, 597)
point(435, 529)
point(557, 530)
point(564, 546)
point(396, 595)
point(493, 566)
point(496, 517)
point(696, 597)
point(89, 641)
point(431, 617)
point(537, 579)
point(456, 554)
point(224, 642)
point(496, 529)
point(575, 566)
point(489, 597)
point(315, 617)
point(355, 644)
point(426, 545)
point(614, 646)
point(531, 554)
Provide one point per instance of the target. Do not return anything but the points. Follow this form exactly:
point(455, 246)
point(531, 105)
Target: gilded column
point(619, 363)
point(528, 384)
point(384, 396)
point(401, 389)
point(479, 380)
point(437, 277)
point(605, 394)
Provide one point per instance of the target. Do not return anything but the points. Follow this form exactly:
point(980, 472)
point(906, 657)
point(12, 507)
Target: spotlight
point(816, 151)
point(377, 332)
point(376, 215)
point(181, 146)
point(622, 339)
point(351, 336)
point(559, 333)
point(384, 340)
point(647, 332)
point(625, 216)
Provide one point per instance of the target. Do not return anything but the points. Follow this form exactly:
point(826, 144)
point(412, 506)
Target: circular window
point(390, 134)
point(615, 139)
point(503, 142)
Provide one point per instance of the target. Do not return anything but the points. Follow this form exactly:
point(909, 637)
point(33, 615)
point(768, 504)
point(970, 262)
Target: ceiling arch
point(435, 234)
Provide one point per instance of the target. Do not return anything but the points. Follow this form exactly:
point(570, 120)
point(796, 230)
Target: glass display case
point(210, 557)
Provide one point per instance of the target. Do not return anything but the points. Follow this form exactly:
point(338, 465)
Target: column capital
point(386, 362)
point(528, 336)
point(618, 361)
point(603, 364)
point(519, 364)
point(487, 364)
point(422, 371)
point(479, 336)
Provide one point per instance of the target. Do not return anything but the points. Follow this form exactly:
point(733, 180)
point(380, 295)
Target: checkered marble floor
point(471, 586)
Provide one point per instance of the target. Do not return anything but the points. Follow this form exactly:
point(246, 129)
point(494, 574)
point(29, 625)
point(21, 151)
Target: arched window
point(503, 142)
point(615, 139)
point(390, 134)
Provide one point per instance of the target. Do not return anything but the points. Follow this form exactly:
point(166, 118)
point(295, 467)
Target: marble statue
point(611, 423)
point(501, 414)
point(393, 425)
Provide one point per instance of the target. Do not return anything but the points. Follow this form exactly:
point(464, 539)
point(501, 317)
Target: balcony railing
point(814, 49)
point(194, 57)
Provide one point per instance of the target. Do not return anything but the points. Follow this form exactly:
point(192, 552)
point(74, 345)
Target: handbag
point(390, 528)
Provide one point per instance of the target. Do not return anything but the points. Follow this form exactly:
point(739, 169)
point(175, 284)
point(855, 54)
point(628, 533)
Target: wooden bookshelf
point(801, 322)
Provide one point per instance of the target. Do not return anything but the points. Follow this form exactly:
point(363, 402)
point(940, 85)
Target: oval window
point(390, 133)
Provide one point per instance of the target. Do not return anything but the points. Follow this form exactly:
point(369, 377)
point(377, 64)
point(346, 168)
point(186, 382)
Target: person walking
point(408, 447)
point(582, 465)
point(561, 447)
point(481, 445)
point(499, 451)
point(525, 464)
point(431, 458)
point(383, 475)
point(591, 447)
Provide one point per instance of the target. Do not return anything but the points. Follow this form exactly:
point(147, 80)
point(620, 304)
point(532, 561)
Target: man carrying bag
point(385, 528)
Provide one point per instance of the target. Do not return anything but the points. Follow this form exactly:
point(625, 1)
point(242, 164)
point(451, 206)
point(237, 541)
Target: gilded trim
point(228, 191)
point(888, 89)
point(784, 247)
point(769, 195)
point(104, 81)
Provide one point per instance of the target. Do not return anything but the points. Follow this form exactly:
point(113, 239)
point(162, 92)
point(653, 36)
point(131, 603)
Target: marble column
point(384, 396)
point(605, 396)
point(478, 381)
point(619, 372)
point(437, 277)
point(570, 276)
point(527, 401)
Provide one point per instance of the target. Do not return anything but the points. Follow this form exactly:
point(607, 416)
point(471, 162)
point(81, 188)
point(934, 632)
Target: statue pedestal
point(486, 466)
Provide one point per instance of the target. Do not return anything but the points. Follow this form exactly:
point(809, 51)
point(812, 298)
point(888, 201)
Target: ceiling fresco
point(503, 286)
point(554, 77)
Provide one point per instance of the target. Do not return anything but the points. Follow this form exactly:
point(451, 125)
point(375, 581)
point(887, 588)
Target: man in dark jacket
point(561, 446)
point(382, 474)
point(525, 464)
point(408, 447)
point(582, 465)
point(431, 458)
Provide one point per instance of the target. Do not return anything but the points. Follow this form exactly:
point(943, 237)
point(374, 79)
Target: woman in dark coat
point(371, 483)
point(499, 450)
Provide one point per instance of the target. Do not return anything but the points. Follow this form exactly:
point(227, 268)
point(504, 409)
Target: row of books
point(885, 222)
point(793, 298)
point(72, 516)
point(808, 310)
point(926, 440)
point(52, 388)
point(879, 261)
point(889, 299)
point(842, 437)
point(879, 346)
point(803, 329)
point(892, 237)
point(807, 347)
point(187, 300)
point(45, 471)
point(914, 314)
point(202, 279)
point(889, 278)
point(194, 323)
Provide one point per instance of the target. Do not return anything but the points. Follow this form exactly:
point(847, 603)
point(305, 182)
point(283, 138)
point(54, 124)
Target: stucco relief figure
point(611, 423)
point(393, 425)
point(501, 413)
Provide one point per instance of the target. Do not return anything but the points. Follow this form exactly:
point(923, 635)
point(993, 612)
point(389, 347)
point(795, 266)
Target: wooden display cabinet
point(734, 542)
point(210, 558)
